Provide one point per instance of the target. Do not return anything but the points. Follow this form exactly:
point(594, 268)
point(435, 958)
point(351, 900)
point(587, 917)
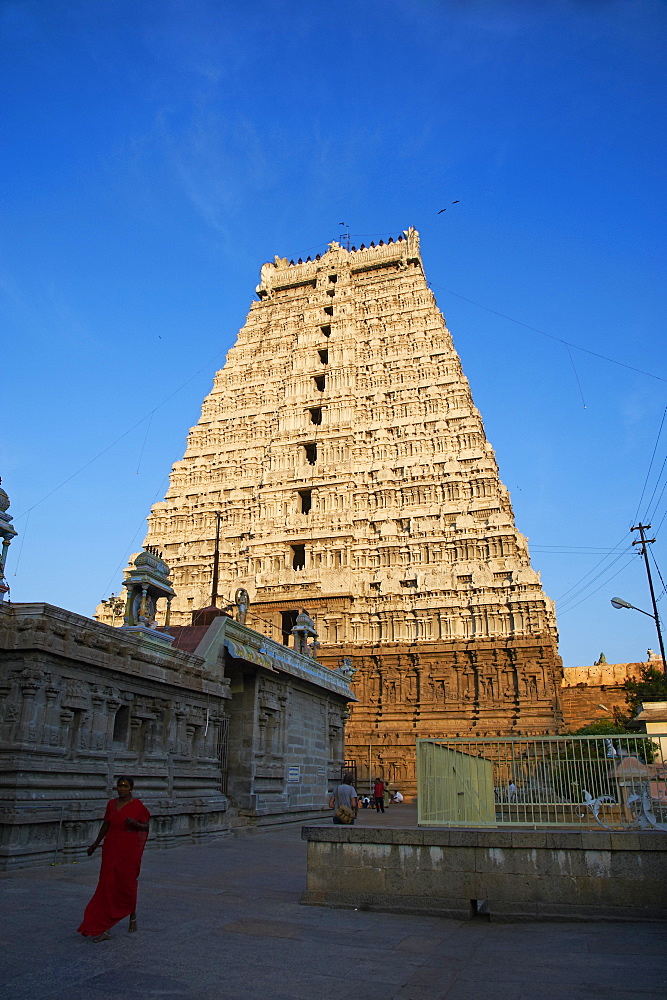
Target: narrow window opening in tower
point(315, 415)
point(328, 310)
point(298, 556)
point(333, 278)
point(331, 292)
point(306, 500)
point(311, 452)
point(326, 330)
point(288, 623)
point(324, 356)
point(320, 382)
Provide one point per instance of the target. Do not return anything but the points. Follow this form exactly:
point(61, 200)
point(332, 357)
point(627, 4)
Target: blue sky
point(155, 154)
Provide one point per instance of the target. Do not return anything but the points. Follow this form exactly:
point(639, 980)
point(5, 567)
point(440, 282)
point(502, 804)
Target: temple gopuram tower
point(344, 470)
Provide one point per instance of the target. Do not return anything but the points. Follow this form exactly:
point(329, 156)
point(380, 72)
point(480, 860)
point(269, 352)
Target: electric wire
point(108, 447)
point(129, 547)
point(23, 534)
point(650, 465)
point(581, 580)
point(651, 513)
point(588, 596)
point(576, 375)
point(664, 586)
point(551, 336)
point(661, 522)
point(573, 550)
point(582, 589)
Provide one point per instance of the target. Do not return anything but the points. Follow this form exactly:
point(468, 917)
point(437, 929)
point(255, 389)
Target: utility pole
point(643, 541)
point(216, 560)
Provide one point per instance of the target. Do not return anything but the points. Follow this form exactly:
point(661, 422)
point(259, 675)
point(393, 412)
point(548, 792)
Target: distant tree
point(652, 686)
point(601, 727)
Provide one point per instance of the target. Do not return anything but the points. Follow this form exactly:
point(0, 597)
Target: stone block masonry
point(497, 874)
point(82, 703)
point(239, 732)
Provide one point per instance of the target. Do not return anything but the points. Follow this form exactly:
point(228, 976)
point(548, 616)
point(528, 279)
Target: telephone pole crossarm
point(644, 541)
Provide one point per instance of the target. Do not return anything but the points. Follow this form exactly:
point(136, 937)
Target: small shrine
point(7, 533)
point(147, 582)
point(302, 632)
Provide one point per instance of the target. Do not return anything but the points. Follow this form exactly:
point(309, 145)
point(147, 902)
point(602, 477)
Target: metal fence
point(617, 782)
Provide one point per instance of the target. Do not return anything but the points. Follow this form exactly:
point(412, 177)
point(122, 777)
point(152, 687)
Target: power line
point(650, 465)
point(581, 580)
point(603, 584)
point(129, 548)
point(573, 549)
point(664, 586)
point(551, 336)
point(585, 587)
point(90, 461)
point(651, 513)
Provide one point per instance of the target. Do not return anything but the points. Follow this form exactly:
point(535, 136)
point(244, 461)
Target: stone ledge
point(599, 840)
point(520, 875)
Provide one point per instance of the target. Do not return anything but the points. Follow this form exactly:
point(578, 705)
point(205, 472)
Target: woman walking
point(124, 832)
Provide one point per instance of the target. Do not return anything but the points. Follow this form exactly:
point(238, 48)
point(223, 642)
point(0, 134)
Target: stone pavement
point(223, 920)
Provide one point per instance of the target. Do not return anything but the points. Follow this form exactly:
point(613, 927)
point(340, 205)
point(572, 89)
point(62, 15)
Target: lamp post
point(618, 602)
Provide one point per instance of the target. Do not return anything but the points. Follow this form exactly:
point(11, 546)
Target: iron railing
point(617, 782)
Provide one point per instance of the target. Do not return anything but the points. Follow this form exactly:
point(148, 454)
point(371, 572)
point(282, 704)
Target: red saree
point(116, 893)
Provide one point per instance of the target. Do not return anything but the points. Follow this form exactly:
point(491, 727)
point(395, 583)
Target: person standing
point(378, 795)
point(344, 802)
point(124, 832)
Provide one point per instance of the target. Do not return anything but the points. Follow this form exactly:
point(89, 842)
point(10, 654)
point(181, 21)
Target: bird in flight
point(457, 202)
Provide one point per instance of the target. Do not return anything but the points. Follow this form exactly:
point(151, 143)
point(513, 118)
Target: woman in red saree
point(124, 832)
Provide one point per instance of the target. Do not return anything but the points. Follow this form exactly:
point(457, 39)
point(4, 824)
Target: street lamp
point(618, 602)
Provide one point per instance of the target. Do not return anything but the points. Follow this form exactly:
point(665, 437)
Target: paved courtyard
point(223, 920)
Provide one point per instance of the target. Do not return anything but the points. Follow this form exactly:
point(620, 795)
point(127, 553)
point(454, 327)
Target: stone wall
point(241, 732)
point(498, 874)
point(286, 729)
point(593, 692)
point(82, 703)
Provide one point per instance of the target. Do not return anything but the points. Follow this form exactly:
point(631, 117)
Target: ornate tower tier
point(344, 469)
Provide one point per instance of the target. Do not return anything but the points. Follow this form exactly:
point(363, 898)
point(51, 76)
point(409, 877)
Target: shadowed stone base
point(489, 874)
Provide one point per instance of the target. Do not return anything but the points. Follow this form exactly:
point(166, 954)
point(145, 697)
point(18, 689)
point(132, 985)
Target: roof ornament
point(242, 601)
point(147, 581)
point(7, 533)
point(303, 630)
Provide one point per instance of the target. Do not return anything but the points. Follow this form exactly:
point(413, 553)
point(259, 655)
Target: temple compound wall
point(237, 731)
point(341, 468)
point(594, 692)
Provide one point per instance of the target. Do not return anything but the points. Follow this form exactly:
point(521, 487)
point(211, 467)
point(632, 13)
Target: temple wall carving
point(82, 703)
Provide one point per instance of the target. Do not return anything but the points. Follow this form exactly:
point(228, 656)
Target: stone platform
point(222, 921)
point(497, 874)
